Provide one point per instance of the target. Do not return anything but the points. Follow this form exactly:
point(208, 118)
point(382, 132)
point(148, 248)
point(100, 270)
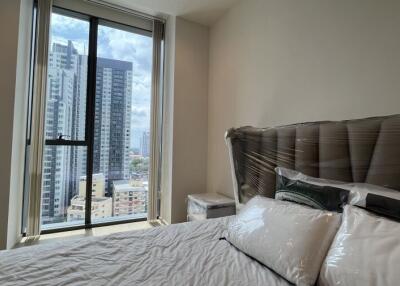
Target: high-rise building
point(145, 144)
point(65, 116)
point(64, 167)
point(112, 130)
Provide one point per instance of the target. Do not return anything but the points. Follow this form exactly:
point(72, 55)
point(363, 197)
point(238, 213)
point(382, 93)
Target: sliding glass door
point(97, 123)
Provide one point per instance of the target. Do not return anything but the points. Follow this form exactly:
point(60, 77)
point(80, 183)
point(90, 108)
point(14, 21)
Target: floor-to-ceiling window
point(98, 134)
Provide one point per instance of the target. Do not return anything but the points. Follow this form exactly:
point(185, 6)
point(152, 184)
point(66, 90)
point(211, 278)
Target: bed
point(195, 253)
point(182, 254)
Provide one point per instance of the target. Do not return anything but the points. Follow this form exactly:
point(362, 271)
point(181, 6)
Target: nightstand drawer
point(209, 205)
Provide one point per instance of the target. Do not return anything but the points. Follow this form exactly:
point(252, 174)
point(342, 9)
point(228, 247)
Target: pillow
point(298, 176)
point(365, 252)
point(297, 187)
point(292, 188)
point(384, 206)
point(290, 239)
point(380, 200)
point(359, 192)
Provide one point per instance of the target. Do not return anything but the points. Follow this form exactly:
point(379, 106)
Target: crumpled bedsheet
point(182, 254)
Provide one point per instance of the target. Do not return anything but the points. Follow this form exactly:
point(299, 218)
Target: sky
point(120, 45)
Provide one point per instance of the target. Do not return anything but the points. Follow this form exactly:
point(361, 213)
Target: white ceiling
point(204, 12)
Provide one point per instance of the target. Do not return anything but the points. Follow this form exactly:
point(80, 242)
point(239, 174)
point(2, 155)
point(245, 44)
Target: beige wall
point(276, 62)
point(188, 95)
point(15, 20)
point(190, 115)
point(9, 16)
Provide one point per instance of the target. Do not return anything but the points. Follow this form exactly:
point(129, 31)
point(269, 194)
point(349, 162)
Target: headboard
point(363, 150)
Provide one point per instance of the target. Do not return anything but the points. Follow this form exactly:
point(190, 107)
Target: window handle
point(62, 136)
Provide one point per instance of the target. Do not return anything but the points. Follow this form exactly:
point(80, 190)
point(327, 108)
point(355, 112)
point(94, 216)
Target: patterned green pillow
point(318, 197)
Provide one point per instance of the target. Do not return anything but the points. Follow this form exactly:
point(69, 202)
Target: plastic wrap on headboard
point(363, 150)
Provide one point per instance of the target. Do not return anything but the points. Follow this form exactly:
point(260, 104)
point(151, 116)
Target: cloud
point(139, 111)
point(65, 28)
point(127, 46)
point(140, 117)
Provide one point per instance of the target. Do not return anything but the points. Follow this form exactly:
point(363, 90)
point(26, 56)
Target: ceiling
point(204, 12)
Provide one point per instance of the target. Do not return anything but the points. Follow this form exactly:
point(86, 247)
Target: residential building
point(101, 208)
point(128, 199)
point(112, 132)
point(65, 114)
point(65, 167)
point(98, 186)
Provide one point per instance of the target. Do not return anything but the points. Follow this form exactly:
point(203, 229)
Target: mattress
point(182, 254)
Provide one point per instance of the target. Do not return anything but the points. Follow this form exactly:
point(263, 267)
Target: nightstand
point(209, 205)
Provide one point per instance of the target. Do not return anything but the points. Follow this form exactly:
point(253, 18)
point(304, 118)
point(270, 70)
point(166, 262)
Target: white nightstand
point(209, 205)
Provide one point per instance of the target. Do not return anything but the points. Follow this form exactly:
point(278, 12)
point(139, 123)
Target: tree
point(140, 165)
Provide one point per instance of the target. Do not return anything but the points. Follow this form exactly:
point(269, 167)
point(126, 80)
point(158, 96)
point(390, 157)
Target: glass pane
point(122, 124)
point(63, 166)
point(62, 186)
point(67, 77)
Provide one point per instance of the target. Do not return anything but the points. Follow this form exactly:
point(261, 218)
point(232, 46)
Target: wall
point(276, 62)
point(187, 96)
point(190, 114)
point(13, 79)
point(19, 123)
point(9, 15)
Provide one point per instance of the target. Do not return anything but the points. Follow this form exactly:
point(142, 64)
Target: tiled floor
point(96, 231)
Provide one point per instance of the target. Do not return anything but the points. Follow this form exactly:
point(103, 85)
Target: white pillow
point(365, 252)
point(288, 238)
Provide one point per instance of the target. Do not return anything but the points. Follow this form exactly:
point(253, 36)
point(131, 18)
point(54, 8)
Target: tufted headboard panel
point(363, 150)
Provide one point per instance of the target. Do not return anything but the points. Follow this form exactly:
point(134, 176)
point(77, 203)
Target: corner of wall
point(185, 116)
point(190, 114)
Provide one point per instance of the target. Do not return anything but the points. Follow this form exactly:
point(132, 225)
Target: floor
point(96, 231)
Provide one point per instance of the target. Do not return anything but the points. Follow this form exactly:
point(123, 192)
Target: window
point(65, 151)
point(98, 128)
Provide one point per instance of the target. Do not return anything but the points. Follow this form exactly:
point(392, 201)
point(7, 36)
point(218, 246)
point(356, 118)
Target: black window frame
point(88, 141)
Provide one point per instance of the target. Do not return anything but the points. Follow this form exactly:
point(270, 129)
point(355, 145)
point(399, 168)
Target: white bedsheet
point(184, 254)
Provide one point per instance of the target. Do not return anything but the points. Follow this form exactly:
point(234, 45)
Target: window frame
point(68, 8)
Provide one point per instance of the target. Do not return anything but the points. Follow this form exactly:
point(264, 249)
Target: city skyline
point(119, 45)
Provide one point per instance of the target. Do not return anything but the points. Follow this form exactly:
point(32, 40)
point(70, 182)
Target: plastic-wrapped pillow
point(288, 238)
point(298, 176)
point(332, 195)
point(378, 199)
point(294, 189)
point(365, 251)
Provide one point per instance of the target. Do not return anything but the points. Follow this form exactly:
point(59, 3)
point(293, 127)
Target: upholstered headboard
point(362, 150)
